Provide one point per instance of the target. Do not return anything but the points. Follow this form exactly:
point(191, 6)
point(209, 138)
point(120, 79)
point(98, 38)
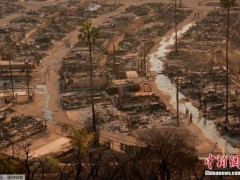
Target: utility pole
point(114, 60)
point(8, 39)
point(177, 99)
point(176, 46)
point(144, 59)
point(35, 55)
point(138, 65)
point(132, 64)
point(10, 68)
point(227, 59)
point(180, 3)
point(238, 72)
point(28, 80)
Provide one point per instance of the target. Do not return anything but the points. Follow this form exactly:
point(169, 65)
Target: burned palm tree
point(89, 34)
point(227, 4)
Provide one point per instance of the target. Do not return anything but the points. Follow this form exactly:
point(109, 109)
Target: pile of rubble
point(201, 78)
point(108, 117)
point(121, 70)
point(19, 128)
point(137, 42)
point(75, 101)
point(129, 102)
point(25, 40)
point(8, 7)
point(75, 71)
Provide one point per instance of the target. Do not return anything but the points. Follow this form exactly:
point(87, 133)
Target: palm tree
point(90, 34)
point(227, 4)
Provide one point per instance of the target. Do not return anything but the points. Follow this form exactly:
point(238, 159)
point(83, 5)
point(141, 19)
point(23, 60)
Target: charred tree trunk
point(176, 45)
point(144, 60)
point(10, 68)
point(114, 61)
point(28, 82)
point(177, 99)
point(227, 59)
point(91, 83)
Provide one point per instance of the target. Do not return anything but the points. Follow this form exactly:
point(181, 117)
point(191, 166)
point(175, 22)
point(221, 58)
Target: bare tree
point(169, 155)
point(166, 156)
point(65, 172)
point(21, 161)
point(26, 160)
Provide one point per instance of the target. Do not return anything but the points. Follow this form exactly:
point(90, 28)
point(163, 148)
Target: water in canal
point(47, 112)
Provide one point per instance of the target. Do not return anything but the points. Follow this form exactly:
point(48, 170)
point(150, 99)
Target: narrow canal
point(47, 112)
